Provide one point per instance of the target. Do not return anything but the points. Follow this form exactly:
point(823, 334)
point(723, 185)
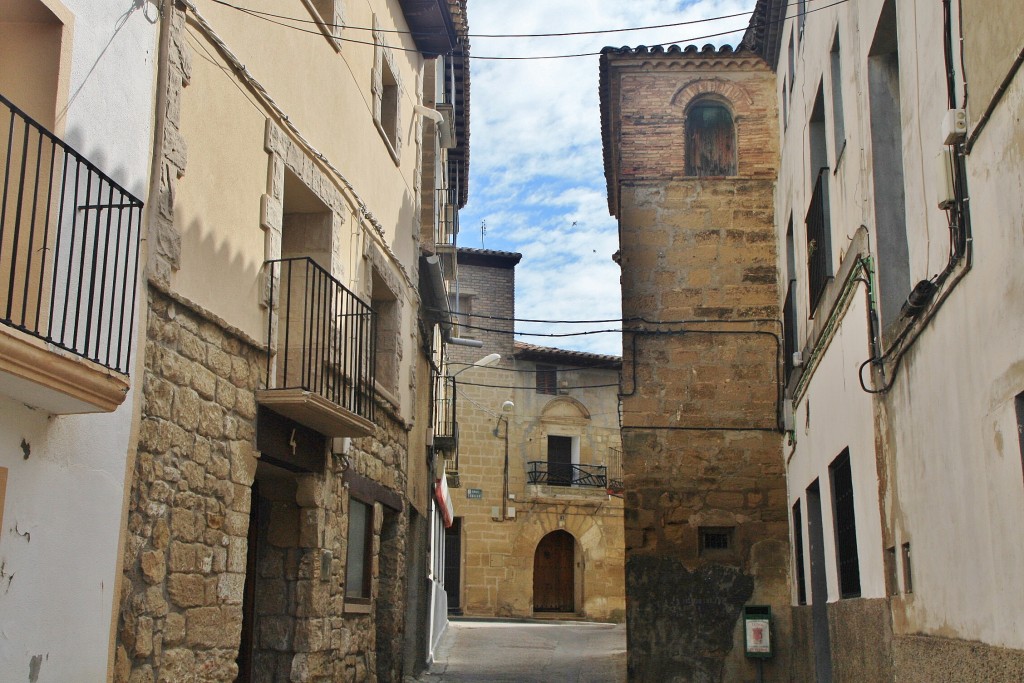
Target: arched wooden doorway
point(554, 581)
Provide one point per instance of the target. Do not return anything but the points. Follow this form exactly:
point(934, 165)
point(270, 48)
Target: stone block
point(187, 407)
point(174, 628)
point(153, 565)
point(187, 590)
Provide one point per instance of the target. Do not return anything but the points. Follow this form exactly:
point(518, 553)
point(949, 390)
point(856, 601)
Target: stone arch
point(735, 95)
point(590, 546)
point(564, 407)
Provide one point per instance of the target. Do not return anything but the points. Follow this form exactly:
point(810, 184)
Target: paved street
point(530, 652)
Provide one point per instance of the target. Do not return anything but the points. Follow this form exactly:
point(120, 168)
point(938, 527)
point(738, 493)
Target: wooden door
point(560, 460)
point(553, 573)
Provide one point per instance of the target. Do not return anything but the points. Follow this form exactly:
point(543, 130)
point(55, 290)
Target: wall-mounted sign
point(474, 493)
point(757, 623)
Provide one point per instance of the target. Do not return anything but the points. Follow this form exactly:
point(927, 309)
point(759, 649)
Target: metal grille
point(444, 422)
point(446, 220)
point(566, 474)
point(846, 526)
point(325, 337)
point(819, 246)
point(69, 245)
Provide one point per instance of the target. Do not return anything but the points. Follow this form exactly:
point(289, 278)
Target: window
point(560, 460)
point(359, 564)
point(908, 579)
point(838, 124)
point(819, 225)
point(792, 63)
point(547, 379)
point(798, 550)
point(887, 165)
point(715, 538)
point(801, 8)
point(1019, 405)
point(328, 17)
point(387, 95)
point(789, 313)
point(845, 526)
point(710, 140)
point(388, 339)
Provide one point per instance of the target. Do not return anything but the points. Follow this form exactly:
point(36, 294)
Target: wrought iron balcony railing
point(446, 428)
point(69, 245)
point(446, 220)
point(615, 480)
point(566, 474)
point(819, 240)
point(324, 336)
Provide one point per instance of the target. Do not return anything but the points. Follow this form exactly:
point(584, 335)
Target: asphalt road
point(530, 652)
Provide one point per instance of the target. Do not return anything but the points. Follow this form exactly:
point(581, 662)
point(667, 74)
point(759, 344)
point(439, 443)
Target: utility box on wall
point(757, 628)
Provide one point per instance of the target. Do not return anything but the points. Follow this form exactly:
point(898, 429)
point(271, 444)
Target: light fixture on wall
point(489, 359)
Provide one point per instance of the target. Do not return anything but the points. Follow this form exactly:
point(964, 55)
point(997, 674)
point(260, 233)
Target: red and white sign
point(444, 500)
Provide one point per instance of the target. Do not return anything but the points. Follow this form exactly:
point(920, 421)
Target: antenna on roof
point(483, 232)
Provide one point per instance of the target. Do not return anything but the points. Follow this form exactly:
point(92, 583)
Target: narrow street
point(525, 652)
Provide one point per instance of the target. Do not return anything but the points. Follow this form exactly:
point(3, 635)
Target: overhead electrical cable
point(277, 19)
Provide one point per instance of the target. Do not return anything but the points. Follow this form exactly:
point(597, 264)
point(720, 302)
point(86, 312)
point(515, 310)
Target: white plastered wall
point(66, 474)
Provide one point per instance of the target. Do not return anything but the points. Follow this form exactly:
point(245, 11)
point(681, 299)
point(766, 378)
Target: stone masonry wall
point(185, 558)
point(701, 450)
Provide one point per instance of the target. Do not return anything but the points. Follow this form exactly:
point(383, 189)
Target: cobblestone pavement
point(530, 652)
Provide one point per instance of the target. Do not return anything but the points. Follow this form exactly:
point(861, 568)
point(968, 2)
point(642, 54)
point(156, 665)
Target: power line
point(273, 19)
point(561, 34)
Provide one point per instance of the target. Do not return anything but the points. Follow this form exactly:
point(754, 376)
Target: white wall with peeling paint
point(62, 513)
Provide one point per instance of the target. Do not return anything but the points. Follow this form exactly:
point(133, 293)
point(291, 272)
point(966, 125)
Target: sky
point(536, 167)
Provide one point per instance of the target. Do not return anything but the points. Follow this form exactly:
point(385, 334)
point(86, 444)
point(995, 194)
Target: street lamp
point(489, 359)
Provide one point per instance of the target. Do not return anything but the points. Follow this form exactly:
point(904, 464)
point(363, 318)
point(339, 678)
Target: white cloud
point(537, 173)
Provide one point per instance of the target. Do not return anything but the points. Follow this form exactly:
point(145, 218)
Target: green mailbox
point(757, 627)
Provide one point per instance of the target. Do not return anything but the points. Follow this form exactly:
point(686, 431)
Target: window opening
point(908, 582)
point(547, 379)
point(710, 141)
point(360, 551)
point(844, 516)
point(798, 549)
point(891, 587)
point(887, 165)
point(715, 538)
point(818, 221)
point(838, 121)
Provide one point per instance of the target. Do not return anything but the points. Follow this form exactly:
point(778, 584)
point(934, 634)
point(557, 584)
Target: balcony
point(69, 254)
point(322, 374)
point(446, 221)
point(446, 428)
point(566, 474)
point(819, 239)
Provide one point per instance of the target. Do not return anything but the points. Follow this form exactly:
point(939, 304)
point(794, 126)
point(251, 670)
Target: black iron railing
point(446, 222)
point(819, 242)
point(566, 474)
point(444, 415)
point(324, 336)
point(789, 331)
point(615, 481)
point(69, 245)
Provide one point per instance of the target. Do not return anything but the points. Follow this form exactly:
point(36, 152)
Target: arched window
point(710, 140)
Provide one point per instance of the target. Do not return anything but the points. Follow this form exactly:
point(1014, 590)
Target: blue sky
point(536, 169)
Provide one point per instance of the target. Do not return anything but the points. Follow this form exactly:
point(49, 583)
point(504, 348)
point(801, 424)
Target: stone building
point(76, 129)
point(903, 327)
point(691, 154)
point(536, 484)
point(280, 485)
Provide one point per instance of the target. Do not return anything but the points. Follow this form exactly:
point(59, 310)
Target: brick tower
point(691, 153)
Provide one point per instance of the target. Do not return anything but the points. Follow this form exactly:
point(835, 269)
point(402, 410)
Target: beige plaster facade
point(508, 497)
point(276, 516)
